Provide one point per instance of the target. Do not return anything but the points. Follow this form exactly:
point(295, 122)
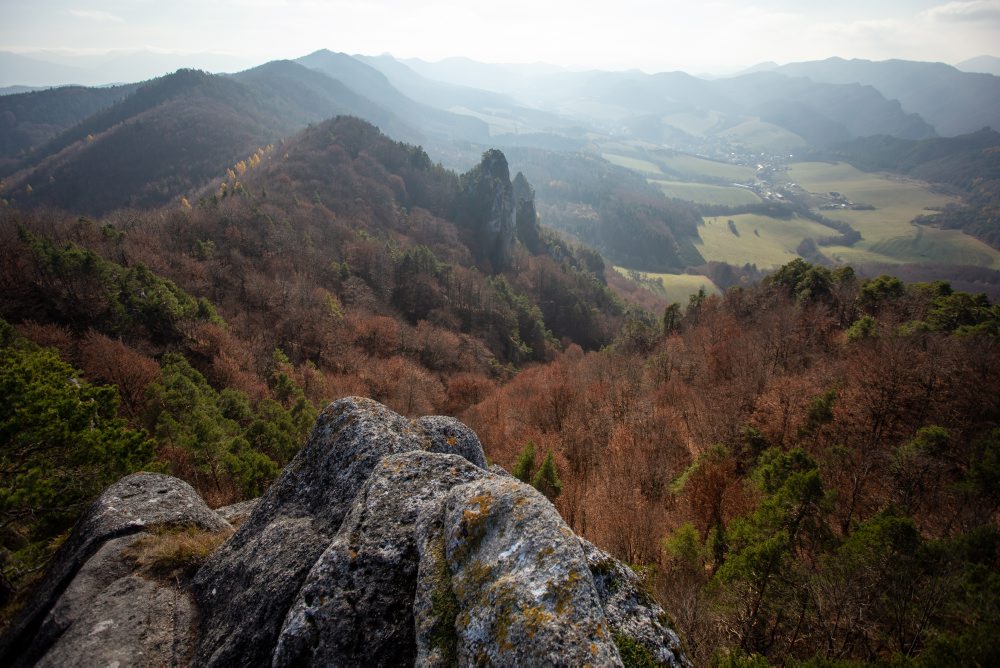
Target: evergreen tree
point(762, 574)
point(546, 479)
point(525, 466)
point(61, 444)
point(188, 419)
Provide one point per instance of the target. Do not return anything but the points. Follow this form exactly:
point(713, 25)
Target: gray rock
point(526, 217)
point(247, 587)
point(635, 618)
point(496, 469)
point(237, 513)
point(109, 615)
point(356, 607)
point(504, 581)
point(449, 436)
point(489, 208)
point(130, 506)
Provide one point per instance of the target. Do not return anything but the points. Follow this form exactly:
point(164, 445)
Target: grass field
point(888, 235)
point(690, 165)
point(674, 287)
point(763, 241)
point(762, 136)
point(697, 123)
point(704, 193)
point(498, 124)
point(632, 163)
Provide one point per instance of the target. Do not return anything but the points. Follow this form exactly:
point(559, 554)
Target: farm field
point(693, 166)
point(638, 165)
point(705, 193)
point(888, 235)
point(759, 135)
point(764, 241)
point(697, 123)
point(674, 287)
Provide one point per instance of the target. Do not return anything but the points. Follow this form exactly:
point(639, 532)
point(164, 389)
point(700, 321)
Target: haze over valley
point(700, 152)
point(717, 285)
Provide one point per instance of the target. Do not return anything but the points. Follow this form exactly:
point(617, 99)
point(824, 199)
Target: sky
point(665, 35)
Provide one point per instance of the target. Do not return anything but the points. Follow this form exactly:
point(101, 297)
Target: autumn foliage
point(772, 464)
point(804, 470)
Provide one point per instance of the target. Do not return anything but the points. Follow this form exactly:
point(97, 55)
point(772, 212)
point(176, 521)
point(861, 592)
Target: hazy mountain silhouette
point(981, 64)
point(954, 102)
point(372, 84)
point(821, 112)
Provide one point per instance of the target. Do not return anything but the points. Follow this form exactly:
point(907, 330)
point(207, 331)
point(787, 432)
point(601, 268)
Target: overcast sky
point(652, 35)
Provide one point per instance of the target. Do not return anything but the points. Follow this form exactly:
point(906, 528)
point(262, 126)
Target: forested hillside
point(348, 264)
point(31, 119)
point(954, 102)
point(805, 469)
point(612, 209)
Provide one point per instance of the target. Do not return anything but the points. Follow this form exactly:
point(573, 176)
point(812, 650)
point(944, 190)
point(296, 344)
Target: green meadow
point(674, 287)
point(887, 231)
point(704, 193)
point(761, 240)
point(632, 163)
point(697, 123)
point(692, 166)
point(758, 135)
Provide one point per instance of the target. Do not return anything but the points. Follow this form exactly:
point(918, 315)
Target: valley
point(880, 206)
point(740, 332)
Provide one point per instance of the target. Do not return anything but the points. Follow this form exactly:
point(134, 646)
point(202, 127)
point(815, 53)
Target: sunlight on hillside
point(888, 235)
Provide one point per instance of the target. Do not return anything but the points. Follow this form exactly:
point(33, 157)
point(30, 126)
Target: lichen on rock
point(356, 605)
point(519, 577)
point(386, 541)
point(91, 603)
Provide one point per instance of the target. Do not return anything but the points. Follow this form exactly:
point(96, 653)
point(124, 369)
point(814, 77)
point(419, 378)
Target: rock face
point(488, 209)
point(518, 578)
point(386, 541)
point(357, 603)
point(247, 586)
point(91, 604)
point(526, 217)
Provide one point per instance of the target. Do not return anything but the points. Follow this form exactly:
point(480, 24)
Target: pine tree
point(525, 465)
point(61, 443)
point(547, 480)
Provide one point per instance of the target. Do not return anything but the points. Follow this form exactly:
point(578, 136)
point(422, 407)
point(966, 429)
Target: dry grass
point(175, 551)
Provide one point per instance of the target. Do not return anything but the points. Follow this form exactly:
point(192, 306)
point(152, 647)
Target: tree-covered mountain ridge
point(346, 263)
point(802, 470)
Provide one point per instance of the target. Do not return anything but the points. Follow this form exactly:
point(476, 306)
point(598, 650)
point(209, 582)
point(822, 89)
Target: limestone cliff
point(386, 541)
point(526, 217)
point(488, 209)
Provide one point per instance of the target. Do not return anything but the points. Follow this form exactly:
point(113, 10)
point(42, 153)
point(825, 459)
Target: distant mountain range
point(954, 102)
point(93, 150)
point(45, 69)
point(982, 64)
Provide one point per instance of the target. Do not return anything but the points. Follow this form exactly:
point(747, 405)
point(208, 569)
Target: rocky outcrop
point(635, 618)
point(488, 209)
point(386, 541)
point(357, 603)
point(518, 579)
point(247, 587)
point(91, 603)
point(526, 225)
